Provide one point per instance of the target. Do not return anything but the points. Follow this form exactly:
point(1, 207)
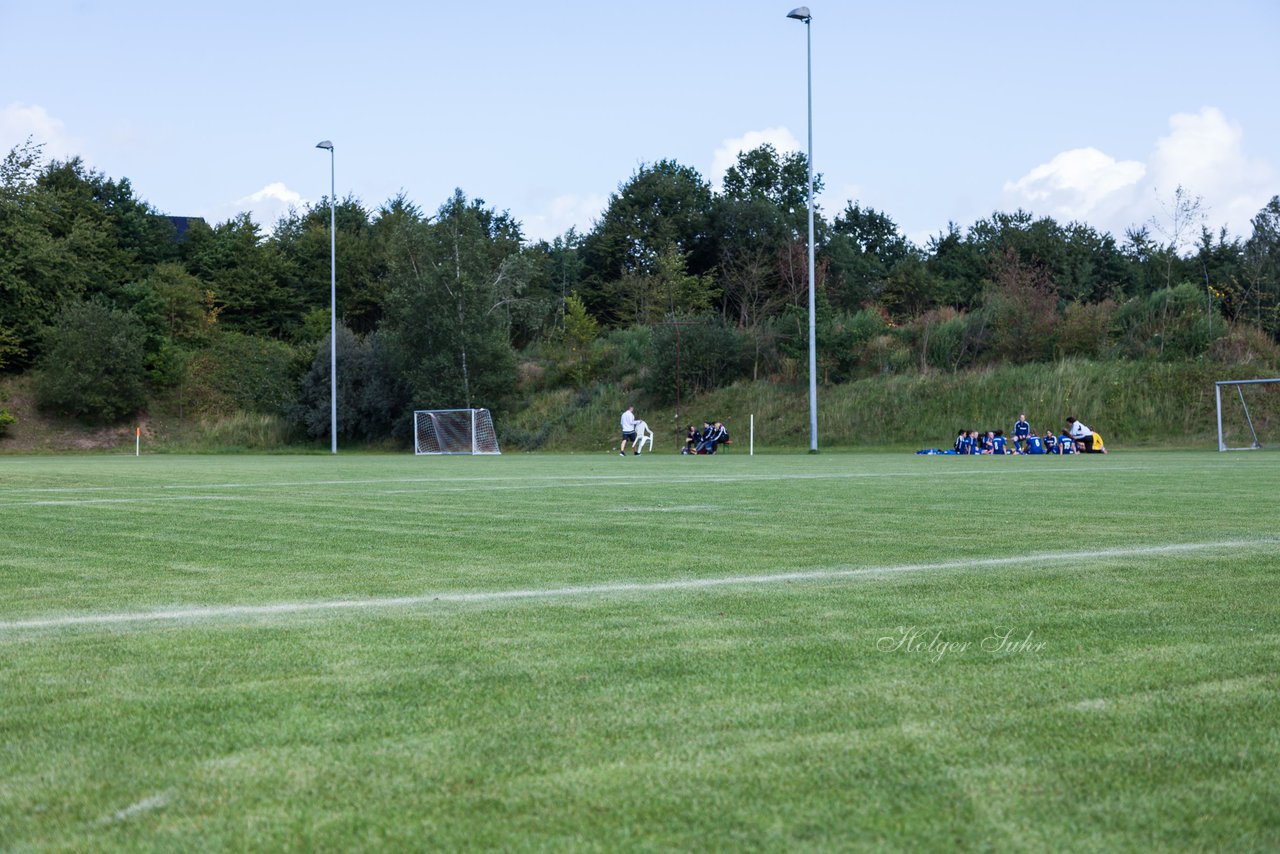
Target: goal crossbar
point(1244, 405)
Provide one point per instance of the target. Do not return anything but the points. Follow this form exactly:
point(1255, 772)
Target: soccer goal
point(1248, 414)
point(454, 431)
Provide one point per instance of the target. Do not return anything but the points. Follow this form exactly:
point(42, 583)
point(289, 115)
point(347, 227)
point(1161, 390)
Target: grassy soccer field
point(778, 652)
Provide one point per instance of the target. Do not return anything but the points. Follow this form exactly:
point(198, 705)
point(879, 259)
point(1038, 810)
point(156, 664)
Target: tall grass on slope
point(1145, 403)
point(237, 431)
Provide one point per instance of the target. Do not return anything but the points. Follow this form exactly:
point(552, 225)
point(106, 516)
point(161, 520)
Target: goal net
point(454, 431)
point(1248, 414)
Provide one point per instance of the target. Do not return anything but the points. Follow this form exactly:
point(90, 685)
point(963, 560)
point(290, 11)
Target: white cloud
point(265, 206)
point(1077, 183)
point(727, 154)
point(19, 121)
point(1203, 152)
point(273, 193)
point(556, 216)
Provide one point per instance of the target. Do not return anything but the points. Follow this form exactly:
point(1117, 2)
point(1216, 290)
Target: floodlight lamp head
point(800, 13)
point(326, 145)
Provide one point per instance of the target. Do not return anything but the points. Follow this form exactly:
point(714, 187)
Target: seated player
point(961, 436)
point(1034, 444)
point(988, 443)
point(998, 444)
point(1051, 443)
point(690, 441)
point(704, 438)
point(719, 435)
point(1021, 430)
point(1066, 445)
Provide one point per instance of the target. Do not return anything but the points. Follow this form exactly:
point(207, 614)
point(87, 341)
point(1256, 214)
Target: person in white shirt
point(1082, 436)
point(628, 430)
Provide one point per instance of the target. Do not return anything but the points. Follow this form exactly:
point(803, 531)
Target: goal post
point(454, 431)
point(1249, 415)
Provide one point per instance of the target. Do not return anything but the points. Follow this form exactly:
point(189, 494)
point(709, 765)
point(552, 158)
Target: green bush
point(1023, 316)
point(942, 336)
point(369, 400)
point(6, 418)
point(241, 372)
point(1085, 329)
point(696, 355)
point(623, 354)
point(844, 340)
point(1169, 324)
point(93, 365)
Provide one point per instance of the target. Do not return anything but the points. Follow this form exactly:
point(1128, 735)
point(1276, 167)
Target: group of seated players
point(1074, 439)
point(705, 441)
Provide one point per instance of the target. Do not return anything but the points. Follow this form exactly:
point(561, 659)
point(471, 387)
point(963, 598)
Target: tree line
point(677, 288)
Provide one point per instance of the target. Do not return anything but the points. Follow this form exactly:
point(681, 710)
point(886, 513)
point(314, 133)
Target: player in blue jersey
point(1021, 430)
point(719, 435)
point(1066, 445)
point(961, 435)
point(998, 445)
point(1034, 444)
point(989, 443)
point(1051, 443)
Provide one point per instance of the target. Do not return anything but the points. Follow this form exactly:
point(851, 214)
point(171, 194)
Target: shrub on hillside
point(6, 419)
point(1171, 323)
point(576, 338)
point(1085, 329)
point(844, 340)
point(369, 400)
point(92, 365)
point(697, 354)
point(938, 337)
point(623, 355)
point(241, 372)
point(1021, 307)
point(887, 354)
point(1246, 345)
point(959, 340)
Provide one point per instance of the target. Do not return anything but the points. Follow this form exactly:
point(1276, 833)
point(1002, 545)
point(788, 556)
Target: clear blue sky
point(930, 111)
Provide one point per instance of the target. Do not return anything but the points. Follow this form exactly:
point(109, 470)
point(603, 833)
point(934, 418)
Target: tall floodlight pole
point(802, 14)
point(333, 300)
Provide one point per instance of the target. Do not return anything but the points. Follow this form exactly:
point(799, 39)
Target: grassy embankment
point(1146, 404)
point(1131, 403)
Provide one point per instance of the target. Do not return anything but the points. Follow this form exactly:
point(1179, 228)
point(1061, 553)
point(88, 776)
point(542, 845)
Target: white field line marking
point(208, 612)
point(679, 508)
point(64, 502)
point(154, 802)
point(466, 484)
point(584, 479)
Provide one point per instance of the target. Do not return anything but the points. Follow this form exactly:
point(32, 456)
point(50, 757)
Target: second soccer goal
point(454, 431)
point(1248, 414)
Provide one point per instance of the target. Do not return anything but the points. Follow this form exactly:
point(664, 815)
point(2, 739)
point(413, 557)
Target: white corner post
point(333, 300)
point(802, 14)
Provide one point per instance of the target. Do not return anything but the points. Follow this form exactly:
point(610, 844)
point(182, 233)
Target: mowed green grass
point(858, 703)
